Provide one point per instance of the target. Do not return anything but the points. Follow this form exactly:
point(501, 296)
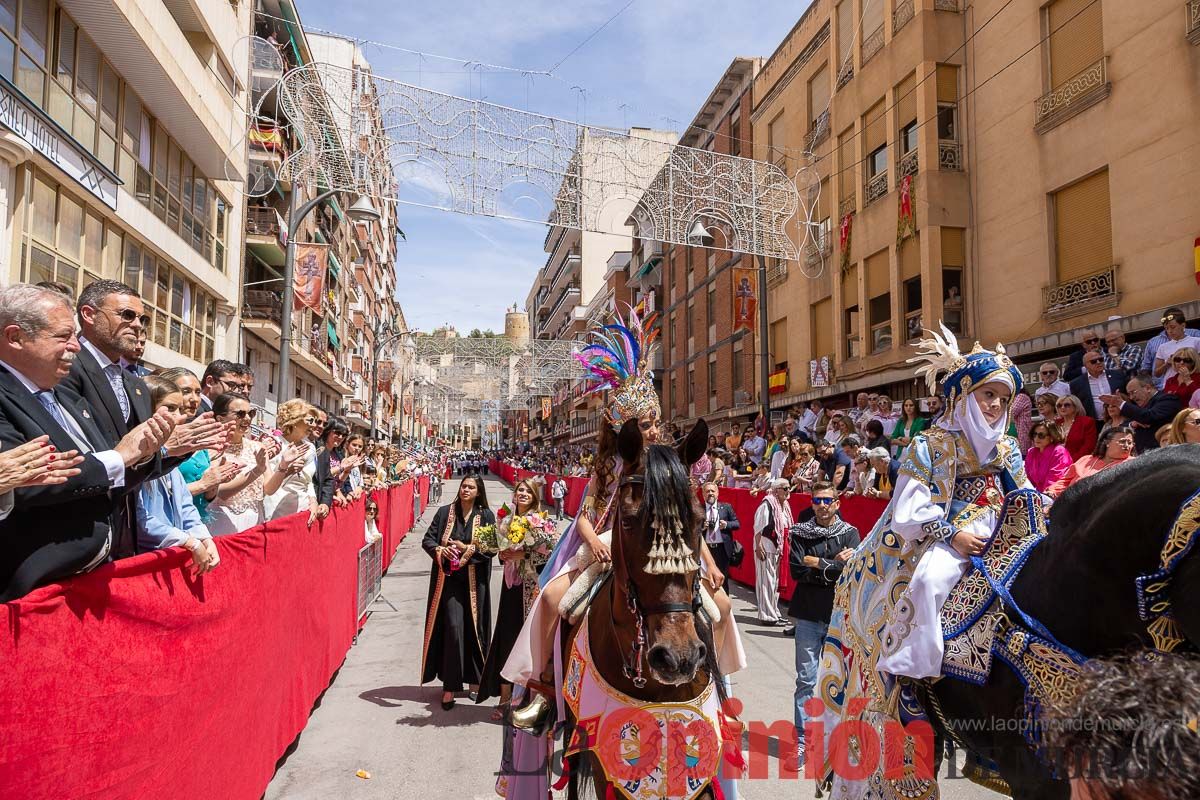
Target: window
point(912, 309)
point(851, 325)
point(690, 322)
point(875, 137)
point(947, 98)
point(712, 379)
point(880, 306)
point(1076, 29)
point(952, 304)
point(846, 170)
point(822, 328)
point(674, 335)
point(906, 113)
point(710, 314)
point(779, 342)
point(739, 370)
point(776, 139)
point(818, 96)
point(908, 137)
point(691, 386)
point(850, 308)
point(877, 161)
point(1082, 228)
point(735, 131)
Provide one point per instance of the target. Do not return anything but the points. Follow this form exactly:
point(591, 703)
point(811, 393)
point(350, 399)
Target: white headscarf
point(967, 417)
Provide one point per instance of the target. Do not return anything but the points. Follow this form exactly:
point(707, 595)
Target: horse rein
point(632, 664)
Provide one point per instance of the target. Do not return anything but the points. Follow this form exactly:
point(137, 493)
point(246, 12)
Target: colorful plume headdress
point(962, 373)
point(618, 360)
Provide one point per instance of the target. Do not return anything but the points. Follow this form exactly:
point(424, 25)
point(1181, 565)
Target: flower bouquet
point(531, 535)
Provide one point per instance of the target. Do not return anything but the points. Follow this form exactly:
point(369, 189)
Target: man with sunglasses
point(820, 548)
point(1048, 373)
point(1089, 342)
point(1095, 383)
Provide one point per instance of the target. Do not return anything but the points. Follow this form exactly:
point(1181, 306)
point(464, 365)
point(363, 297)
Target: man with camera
point(720, 522)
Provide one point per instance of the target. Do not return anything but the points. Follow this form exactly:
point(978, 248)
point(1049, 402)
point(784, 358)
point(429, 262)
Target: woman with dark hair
point(239, 502)
point(202, 476)
point(516, 597)
point(908, 426)
point(1112, 447)
point(328, 478)
point(458, 612)
point(875, 437)
point(1047, 461)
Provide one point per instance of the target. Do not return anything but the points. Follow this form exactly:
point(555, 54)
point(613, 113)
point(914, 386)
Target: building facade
point(119, 131)
point(1017, 199)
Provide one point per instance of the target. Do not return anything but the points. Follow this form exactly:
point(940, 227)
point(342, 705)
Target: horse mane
point(668, 494)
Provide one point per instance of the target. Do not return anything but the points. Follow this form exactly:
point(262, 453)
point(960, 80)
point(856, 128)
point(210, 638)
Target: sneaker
point(790, 630)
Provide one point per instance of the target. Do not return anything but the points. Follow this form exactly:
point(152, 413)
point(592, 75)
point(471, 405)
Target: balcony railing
point(819, 249)
point(845, 73)
point(876, 187)
point(901, 15)
point(776, 272)
point(945, 5)
point(820, 130)
point(950, 155)
point(262, 221)
point(1079, 93)
point(263, 304)
point(846, 206)
point(908, 165)
point(1087, 293)
point(872, 45)
point(1193, 21)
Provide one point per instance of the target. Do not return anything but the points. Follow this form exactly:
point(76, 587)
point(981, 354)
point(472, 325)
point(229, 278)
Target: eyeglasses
point(242, 414)
point(1065, 405)
point(1049, 372)
point(824, 501)
point(129, 315)
point(1093, 340)
point(1170, 318)
point(1041, 435)
point(1094, 361)
point(310, 421)
point(1183, 360)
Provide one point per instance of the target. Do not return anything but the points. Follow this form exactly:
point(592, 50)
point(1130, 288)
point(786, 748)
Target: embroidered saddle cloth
point(648, 751)
point(972, 614)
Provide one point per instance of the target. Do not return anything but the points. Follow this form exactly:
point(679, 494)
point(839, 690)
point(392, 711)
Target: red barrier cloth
point(137, 681)
point(576, 486)
point(383, 500)
point(401, 521)
point(423, 483)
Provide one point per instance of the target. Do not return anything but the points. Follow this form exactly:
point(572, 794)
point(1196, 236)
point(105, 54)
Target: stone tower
point(516, 326)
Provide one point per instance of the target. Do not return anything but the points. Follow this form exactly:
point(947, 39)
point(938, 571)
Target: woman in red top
point(1078, 428)
point(1185, 382)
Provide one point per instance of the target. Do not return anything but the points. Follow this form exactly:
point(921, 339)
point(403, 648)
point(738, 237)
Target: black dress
point(509, 619)
point(459, 608)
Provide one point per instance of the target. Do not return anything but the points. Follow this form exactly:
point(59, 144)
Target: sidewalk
point(375, 717)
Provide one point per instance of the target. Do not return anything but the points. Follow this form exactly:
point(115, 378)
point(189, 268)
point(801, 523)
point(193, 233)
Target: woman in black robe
point(459, 609)
point(513, 606)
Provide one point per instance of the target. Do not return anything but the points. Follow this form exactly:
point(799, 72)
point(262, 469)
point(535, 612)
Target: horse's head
point(656, 549)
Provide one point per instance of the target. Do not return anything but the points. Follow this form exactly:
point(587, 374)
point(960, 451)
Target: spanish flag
point(1196, 256)
point(778, 381)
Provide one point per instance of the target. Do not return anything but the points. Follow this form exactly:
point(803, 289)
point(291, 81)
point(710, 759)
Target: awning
point(646, 268)
point(335, 266)
point(333, 337)
point(337, 209)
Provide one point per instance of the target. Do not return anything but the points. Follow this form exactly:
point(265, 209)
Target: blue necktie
point(47, 399)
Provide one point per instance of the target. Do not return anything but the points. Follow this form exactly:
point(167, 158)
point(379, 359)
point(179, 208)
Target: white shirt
point(808, 422)
point(1099, 387)
point(1058, 388)
point(114, 465)
point(115, 380)
point(558, 490)
point(1169, 348)
point(712, 531)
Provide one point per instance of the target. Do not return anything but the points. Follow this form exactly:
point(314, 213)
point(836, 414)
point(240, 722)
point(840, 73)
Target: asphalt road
point(375, 717)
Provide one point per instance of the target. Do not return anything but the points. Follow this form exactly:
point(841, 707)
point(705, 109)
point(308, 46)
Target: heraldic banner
point(312, 260)
point(745, 299)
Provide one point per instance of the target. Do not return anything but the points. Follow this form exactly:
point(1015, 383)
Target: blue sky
point(651, 67)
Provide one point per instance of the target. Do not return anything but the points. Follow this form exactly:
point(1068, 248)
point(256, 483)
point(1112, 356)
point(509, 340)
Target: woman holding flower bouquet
point(458, 615)
point(524, 538)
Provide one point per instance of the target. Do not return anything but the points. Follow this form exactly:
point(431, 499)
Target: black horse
point(1104, 533)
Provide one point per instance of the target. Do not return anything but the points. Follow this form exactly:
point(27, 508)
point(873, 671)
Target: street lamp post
point(361, 211)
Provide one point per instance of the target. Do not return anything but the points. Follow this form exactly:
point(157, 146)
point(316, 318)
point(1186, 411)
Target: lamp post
point(700, 236)
point(361, 211)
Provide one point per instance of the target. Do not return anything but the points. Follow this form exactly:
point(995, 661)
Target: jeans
point(810, 638)
point(558, 504)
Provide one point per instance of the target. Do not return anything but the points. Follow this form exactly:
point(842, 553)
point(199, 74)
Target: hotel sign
point(41, 133)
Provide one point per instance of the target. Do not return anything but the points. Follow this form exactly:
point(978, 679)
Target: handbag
point(737, 554)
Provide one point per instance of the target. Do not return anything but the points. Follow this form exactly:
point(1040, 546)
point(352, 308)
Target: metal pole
point(374, 380)
point(764, 354)
point(295, 215)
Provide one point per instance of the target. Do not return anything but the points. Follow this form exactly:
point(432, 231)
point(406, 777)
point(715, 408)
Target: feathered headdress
point(619, 360)
point(939, 356)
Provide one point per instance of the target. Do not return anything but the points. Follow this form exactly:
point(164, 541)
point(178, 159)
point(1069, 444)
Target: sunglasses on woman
point(1041, 435)
point(1064, 406)
point(242, 414)
point(1183, 360)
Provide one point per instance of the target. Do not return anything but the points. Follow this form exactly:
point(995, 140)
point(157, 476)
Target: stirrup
point(534, 716)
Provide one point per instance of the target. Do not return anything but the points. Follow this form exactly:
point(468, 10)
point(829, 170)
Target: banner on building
point(745, 299)
point(312, 260)
point(386, 372)
point(906, 221)
point(819, 372)
point(778, 382)
point(545, 408)
point(844, 239)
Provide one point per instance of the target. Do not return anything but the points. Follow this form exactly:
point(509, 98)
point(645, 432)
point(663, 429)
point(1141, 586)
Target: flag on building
point(745, 301)
point(312, 260)
point(777, 381)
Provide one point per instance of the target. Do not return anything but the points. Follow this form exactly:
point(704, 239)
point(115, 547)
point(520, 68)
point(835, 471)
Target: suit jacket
point(323, 479)
point(1074, 366)
point(53, 531)
point(87, 382)
point(1161, 409)
point(1082, 388)
point(726, 514)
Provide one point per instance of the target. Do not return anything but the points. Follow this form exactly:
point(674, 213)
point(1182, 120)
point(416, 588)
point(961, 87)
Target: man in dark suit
point(59, 530)
point(220, 376)
point(1097, 382)
point(1089, 342)
point(720, 522)
point(1149, 409)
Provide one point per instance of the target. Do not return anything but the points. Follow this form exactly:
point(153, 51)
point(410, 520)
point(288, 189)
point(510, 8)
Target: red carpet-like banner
point(861, 512)
point(138, 681)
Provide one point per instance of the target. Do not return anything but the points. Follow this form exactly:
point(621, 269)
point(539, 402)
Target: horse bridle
point(632, 663)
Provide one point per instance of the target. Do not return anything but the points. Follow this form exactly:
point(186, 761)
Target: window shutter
point(845, 31)
point(847, 166)
point(953, 250)
point(947, 83)
point(906, 101)
point(850, 287)
point(872, 20)
point(910, 257)
point(818, 93)
point(823, 328)
point(878, 281)
point(876, 127)
point(779, 341)
point(1083, 228)
point(1075, 41)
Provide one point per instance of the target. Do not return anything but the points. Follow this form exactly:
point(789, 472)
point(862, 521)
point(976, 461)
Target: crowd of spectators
point(126, 460)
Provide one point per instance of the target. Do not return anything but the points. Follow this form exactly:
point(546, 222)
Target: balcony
point(872, 45)
point(569, 265)
point(1081, 295)
point(262, 304)
point(776, 272)
point(818, 249)
point(908, 166)
point(846, 207)
point(876, 187)
point(1078, 94)
point(820, 130)
point(264, 227)
point(949, 155)
point(945, 5)
point(1193, 21)
point(845, 73)
point(901, 15)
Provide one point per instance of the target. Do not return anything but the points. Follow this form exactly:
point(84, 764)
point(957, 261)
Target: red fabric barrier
point(401, 520)
point(576, 486)
point(137, 680)
point(423, 484)
point(861, 512)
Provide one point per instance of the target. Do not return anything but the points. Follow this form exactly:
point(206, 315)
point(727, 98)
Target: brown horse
point(646, 633)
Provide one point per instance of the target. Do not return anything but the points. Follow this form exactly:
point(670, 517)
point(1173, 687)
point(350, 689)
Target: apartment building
point(1016, 198)
point(708, 359)
point(117, 126)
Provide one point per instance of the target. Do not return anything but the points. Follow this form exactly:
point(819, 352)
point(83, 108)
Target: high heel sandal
point(534, 716)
